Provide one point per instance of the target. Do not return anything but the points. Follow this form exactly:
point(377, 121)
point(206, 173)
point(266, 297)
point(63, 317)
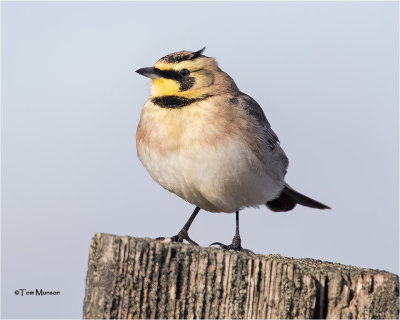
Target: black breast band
point(174, 102)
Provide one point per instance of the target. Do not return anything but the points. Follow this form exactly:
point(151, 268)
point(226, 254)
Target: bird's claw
point(182, 235)
point(233, 246)
point(221, 245)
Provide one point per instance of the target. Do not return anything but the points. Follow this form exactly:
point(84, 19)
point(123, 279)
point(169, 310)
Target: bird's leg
point(183, 234)
point(236, 241)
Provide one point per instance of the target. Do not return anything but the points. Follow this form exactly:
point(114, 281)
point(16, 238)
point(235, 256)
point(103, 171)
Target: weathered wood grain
point(142, 278)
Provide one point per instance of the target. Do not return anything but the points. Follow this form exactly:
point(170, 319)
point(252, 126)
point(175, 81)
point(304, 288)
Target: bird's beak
point(149, 73)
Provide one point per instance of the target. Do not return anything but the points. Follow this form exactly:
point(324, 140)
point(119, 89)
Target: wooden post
point(148, 279)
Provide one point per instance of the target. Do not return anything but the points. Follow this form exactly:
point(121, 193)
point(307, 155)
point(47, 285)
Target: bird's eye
point(184, 72)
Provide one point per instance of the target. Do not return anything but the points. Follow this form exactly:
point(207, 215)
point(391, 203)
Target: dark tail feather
point(288, 199)
point(282, 203)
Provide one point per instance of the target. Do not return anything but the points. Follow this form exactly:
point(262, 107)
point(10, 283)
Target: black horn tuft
point(198, 53)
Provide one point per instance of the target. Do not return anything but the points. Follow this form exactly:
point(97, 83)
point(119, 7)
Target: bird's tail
point(288, 199)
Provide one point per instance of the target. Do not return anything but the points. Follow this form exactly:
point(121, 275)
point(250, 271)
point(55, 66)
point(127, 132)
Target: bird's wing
point(269, 137)
point(254, 110)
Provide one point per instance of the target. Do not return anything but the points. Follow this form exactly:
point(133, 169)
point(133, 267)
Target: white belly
point(223, 178)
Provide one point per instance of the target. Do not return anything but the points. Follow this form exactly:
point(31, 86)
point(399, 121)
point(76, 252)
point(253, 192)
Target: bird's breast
point(202, 124)
point(201, 153)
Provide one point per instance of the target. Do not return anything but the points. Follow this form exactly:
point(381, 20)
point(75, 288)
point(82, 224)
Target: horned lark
point(204, 140)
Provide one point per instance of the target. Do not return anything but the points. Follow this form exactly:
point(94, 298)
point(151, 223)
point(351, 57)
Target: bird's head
point(187, 74)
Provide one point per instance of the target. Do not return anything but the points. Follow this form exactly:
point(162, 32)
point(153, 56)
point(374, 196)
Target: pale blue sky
point(325, 73)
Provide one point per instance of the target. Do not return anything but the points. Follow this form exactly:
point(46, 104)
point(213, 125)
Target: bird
point(203, 139)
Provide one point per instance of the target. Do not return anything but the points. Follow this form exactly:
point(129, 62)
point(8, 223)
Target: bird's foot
point(182, 235)
point(235, 245)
